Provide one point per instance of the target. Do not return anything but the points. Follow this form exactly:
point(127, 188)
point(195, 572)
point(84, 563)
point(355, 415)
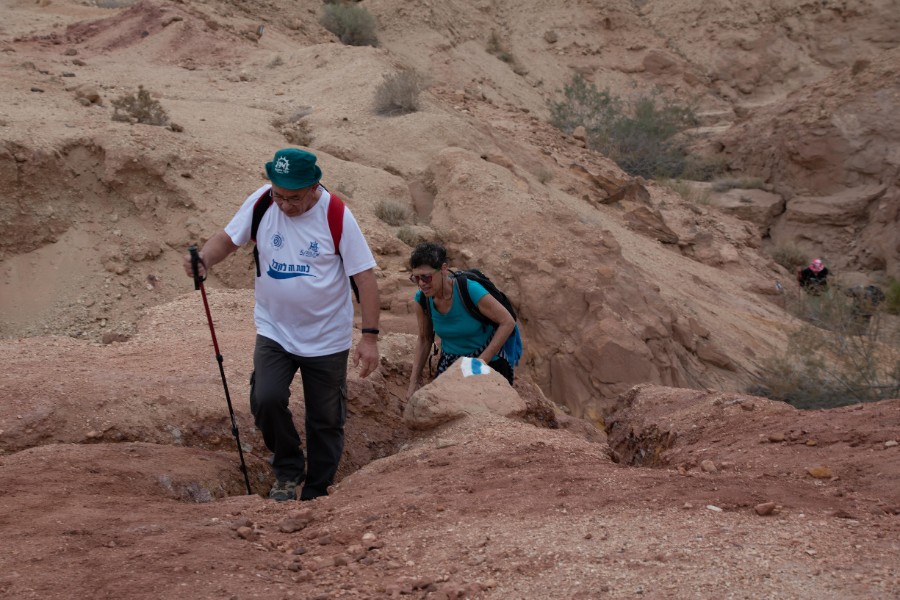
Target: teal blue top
point(460, 332)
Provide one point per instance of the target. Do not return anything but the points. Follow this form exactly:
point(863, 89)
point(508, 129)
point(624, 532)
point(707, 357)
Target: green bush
point(842, 355)
point(353, 24)
point(892, 298)
point(139, 108)
point(584, 105)
point(640, 136)
point(399, 93)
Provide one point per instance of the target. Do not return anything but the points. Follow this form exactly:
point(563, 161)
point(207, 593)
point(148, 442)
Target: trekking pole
point(198, 285)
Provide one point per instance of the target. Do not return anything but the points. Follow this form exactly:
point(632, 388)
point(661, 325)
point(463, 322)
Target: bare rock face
point(658, 63)
point(831, 150)
point(847, 224)
point(756, 206)
point(849, 207)
point(650, 223)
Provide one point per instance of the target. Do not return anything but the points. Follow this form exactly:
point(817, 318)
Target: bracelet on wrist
point(371, 330)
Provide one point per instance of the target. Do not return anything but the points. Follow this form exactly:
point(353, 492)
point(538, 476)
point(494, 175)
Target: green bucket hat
point(293, 169)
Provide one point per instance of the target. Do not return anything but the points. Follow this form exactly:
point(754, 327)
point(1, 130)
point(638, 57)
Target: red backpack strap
point(336, 225)
point(336, 221)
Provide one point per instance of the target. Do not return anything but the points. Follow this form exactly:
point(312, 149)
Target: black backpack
point(478, 277)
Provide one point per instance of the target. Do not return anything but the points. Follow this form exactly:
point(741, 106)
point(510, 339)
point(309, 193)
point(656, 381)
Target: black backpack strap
point(462, 283)
point(423, 302)
point(426, 308)
point(259, 209)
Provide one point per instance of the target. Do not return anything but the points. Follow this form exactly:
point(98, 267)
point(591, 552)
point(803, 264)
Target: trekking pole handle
point(195, 266)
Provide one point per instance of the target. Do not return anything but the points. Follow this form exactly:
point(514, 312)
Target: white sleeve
point(239, 227)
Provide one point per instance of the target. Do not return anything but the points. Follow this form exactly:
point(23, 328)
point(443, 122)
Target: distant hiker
point(814, 278)
point(461, 333)
point(304, 315)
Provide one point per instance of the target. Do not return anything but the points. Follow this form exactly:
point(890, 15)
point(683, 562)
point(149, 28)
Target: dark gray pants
point(325, 397)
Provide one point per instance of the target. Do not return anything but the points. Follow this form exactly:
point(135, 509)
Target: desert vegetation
point(392, 213)
point(139, 107)
point(640, 134)
point(399, 93)
point(892, 298)
point(498, 48)
point(842, 354)
point(353, 24)
point(409, 236)
point(789, 256)
point(688, 191)
point(295, 129)
point(724, 184)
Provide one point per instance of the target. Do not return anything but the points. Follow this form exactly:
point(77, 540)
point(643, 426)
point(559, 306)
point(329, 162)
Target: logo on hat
point(282, 165)
point(293, 169)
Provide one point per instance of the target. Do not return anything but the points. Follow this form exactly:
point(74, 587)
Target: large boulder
point(458, 393)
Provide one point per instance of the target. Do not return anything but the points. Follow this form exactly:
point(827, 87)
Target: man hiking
point(308, 244)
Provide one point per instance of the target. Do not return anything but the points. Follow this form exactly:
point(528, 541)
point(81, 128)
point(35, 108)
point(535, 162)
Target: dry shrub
point(691, 193)
point(494, 44)
point(392, 213)
point(139, 108)
point(353, 24)
point(497, 47)
point(843, 355)
point(399, 93)
point(409, 236)
point(294, 128)
point(789, 256)
point(298, 134)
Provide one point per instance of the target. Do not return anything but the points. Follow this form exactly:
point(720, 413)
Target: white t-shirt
point(303, 298)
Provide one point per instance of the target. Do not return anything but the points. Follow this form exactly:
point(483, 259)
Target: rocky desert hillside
point(628, 460)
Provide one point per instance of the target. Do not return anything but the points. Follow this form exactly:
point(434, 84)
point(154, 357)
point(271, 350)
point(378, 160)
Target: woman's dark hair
point(428, 253)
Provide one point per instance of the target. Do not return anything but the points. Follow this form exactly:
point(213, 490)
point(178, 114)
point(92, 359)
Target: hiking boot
point(284, 490)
